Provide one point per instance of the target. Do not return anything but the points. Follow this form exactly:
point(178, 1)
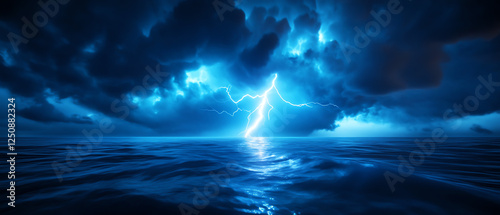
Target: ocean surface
point(150, 175)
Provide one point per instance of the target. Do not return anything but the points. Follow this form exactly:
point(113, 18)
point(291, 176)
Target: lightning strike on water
point(263, 103)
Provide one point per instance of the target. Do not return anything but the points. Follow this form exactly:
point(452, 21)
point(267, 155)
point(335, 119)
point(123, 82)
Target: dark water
point(254, 176)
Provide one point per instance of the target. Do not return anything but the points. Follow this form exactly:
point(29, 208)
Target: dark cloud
point(408, 52)
point(308, 22)
point(45, 112)
point(258, 56)
point(426, 60)
point(478, 129)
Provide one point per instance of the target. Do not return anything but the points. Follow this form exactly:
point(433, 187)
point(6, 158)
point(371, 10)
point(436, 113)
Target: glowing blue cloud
point(264, 102)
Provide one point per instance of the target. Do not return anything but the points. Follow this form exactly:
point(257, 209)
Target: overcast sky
point(168, 68)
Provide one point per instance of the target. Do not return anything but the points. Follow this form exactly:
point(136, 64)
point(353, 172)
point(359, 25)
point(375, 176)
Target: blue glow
point(179, 93)
point(297, 50)
point(318, 67)
point(321, 37)
point(264, 102)
point(69, 107)
point(157, 99)
point(7, 59)
point(90, 49)
point(197, 77)
point(146, 31)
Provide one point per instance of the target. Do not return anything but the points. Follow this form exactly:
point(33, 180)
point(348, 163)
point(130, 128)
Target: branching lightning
point(264, 102)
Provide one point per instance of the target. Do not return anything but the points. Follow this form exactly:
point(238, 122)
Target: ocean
point(156, 175)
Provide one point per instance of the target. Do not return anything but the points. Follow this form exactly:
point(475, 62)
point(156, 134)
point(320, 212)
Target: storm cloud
point(165, 66)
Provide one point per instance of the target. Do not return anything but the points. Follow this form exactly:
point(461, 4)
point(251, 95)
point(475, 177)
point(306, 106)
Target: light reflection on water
point(275, 176)
point(268, 166)
point(258, 145)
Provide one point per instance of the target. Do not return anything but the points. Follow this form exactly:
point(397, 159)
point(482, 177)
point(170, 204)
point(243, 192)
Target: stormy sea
point(152, 175)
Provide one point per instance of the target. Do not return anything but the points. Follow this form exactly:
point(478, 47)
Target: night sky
point(164, 68)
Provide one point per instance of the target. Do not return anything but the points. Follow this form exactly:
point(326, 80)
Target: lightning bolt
point(264, 102)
